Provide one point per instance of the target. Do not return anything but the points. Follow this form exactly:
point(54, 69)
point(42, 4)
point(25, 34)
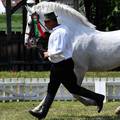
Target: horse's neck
point(64, 13)
point(80, 30)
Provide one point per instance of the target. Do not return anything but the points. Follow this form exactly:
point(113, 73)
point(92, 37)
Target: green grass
point(45, 74)
point(60, 110)
point(30, 74)
point(103, 74)
point(16, 22)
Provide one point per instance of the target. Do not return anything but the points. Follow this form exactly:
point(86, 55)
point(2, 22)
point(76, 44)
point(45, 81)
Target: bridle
point(39, 35)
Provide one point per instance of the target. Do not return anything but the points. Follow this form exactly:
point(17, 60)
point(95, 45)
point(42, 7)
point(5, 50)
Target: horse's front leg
point(80, 73)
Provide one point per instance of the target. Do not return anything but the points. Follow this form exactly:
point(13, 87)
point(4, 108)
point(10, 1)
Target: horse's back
point(99, 51)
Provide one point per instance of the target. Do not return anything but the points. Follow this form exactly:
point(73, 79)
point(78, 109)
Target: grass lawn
point(60, 110)
point(16, 22)
point(45, 74)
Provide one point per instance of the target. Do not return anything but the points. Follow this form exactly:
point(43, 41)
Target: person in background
point(62, 67)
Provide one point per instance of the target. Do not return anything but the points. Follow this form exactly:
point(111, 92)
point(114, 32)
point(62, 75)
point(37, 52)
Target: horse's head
point(29, 28)
point(36, 34)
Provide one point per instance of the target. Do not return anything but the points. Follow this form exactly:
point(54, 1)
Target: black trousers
point(63, 72)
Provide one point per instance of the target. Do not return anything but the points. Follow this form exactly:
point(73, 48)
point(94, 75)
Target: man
point(30, 3)
point(60, 54)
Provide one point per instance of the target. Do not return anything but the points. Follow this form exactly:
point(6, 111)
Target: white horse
point(93, 50)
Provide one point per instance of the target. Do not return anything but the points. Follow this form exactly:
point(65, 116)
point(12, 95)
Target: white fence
point(35, 88)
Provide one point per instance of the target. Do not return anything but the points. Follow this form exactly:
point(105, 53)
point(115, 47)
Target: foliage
point(103, 13)
point(110, 15)
point(60, 110)
point(113, 18)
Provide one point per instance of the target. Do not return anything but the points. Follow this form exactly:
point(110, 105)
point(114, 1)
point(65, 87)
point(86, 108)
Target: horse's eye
point(29, 24)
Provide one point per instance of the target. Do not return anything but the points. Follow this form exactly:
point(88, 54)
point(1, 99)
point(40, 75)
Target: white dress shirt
point(60, 44)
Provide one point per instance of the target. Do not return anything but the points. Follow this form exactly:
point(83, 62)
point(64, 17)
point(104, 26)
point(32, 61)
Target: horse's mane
point(63, 9)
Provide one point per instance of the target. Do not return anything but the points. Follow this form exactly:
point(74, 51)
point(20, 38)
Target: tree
point(114, 18)
point(103, 13)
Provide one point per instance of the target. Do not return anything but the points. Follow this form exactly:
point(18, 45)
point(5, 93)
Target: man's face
point(49, 24)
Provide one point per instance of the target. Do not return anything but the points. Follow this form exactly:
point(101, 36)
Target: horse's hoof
point(117, 111)
point(100, 105)
point(38, 114)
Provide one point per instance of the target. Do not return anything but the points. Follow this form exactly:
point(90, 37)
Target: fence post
point(100, 86)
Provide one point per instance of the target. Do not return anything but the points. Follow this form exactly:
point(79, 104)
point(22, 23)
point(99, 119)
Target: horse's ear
point(29, 10)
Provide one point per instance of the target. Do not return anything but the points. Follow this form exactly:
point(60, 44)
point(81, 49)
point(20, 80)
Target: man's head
point(30, 3)
point(50, 20)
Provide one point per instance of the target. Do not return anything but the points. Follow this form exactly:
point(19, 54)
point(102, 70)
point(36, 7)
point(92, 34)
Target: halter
point(36, 31)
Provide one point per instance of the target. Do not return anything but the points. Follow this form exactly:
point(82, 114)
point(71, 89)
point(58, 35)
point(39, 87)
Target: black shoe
point(100, 103)
point(41, 114)
point(44, 108)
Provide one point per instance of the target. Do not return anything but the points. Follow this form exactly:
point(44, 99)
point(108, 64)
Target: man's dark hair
point(52, 0)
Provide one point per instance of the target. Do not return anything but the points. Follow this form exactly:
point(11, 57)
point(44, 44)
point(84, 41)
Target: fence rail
point(35, 88)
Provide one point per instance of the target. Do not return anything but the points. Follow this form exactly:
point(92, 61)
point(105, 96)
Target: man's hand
point(45, 54)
